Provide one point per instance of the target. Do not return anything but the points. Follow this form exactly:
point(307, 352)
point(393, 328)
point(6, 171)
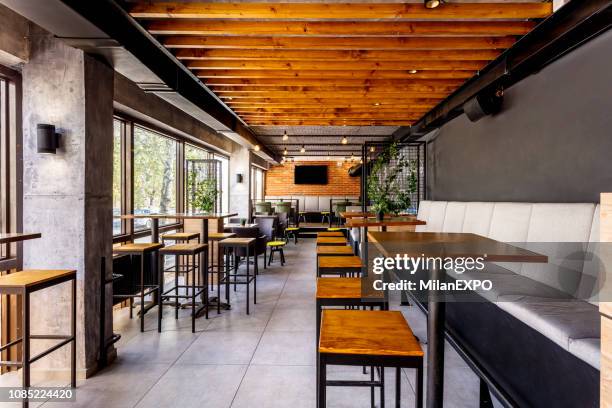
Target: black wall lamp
point(48, 140)
point(239, 178)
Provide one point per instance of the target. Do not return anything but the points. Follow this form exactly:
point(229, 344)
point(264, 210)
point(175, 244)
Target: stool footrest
point(353, 383)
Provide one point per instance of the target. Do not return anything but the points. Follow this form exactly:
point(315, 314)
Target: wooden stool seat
point(237, 241)
point(370, 332)
point(181, 236)
point(334, 250)
point(375, 338)
point(183, 249)
point(330, 234)
point(218, 236)
point(331, 241)
point(333, 288)
point(339, 265)
point(138, 248)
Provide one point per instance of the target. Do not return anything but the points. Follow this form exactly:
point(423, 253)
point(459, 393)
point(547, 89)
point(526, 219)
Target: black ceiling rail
point(568, 28)
point(116, 22)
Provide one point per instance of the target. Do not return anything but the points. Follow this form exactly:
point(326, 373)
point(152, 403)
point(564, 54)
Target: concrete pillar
point(240, 193)
point(68, 196)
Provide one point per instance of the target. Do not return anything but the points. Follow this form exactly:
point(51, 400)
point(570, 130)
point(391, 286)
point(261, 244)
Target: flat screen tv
point(310, 175)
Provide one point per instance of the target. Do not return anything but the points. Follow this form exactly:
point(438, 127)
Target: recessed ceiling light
point(431, 4)
point(285, 136)
point(376, 103)
point(344, 140)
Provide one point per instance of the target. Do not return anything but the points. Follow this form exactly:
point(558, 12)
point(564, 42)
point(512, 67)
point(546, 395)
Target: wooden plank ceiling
point(336, 64)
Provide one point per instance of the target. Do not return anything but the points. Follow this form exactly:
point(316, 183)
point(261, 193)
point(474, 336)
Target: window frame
point(128, 233)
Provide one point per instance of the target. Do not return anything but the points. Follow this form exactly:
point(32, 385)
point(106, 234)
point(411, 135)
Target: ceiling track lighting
point(432, 4)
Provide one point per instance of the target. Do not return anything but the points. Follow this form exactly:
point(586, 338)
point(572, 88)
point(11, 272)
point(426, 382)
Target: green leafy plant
point(392, 180)
point(204, 193)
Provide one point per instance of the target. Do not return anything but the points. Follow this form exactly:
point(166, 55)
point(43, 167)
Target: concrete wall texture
point(279, 180)
point(240, 193)
point(67, 196)
point(551, 142)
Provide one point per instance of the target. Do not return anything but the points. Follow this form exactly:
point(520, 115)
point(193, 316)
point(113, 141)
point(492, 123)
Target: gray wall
point(552, 142)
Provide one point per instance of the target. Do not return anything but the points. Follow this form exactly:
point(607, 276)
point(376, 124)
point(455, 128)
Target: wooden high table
point(445, 245)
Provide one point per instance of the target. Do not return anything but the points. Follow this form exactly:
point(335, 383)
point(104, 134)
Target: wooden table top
point(330, 234)
point(137, 247)
point(370, 332)
point(344, 288)
point(32, 277)
point(334, 250)
point(193, 216)
point(386, 222)
point(452, 245)
point(237, 241)
point(331, 241)
point(339, 262)
point(369, 214)
point(18, 237)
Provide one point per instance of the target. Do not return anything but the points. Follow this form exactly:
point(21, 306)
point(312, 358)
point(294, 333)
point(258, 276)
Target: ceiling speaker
point(483, 104)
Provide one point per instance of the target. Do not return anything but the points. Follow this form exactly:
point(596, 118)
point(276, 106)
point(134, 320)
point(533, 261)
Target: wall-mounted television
point(310, 175)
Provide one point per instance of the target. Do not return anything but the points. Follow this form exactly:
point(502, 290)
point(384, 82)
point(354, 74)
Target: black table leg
point(435, 344)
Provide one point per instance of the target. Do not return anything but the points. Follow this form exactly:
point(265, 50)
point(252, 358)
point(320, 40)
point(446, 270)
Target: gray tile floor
point(234, 360)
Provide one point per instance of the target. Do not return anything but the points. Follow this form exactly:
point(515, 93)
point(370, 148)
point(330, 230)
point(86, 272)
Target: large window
point(9, 164)
point(257, 183)
point(149, 176)
point(155, 188)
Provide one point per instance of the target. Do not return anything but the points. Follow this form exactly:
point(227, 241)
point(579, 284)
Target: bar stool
point(200, 267)
point(292, 232)
point(368, 338)
point(178, 238)
point(276, 246)
point(325, 216)
point(331, 241)
point(339, 265)
point(142, 250)
point(212, 238)
point(248, 244)
point(22, 285)
point(330, 234)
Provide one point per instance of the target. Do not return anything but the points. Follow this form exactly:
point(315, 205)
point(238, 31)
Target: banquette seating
point(537, 332)
point(314, 204)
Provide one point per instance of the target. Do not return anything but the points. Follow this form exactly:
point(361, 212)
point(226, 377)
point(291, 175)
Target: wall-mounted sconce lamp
point(48, 140)
point(239, 178)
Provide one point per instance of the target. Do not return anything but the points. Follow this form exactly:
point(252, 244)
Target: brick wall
point(279, 180)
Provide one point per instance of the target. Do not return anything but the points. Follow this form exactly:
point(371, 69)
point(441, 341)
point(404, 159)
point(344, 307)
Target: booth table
point(445, 245)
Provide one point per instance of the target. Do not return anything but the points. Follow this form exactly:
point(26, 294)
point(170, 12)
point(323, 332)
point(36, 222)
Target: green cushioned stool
point(292, 232)
point(276, 246)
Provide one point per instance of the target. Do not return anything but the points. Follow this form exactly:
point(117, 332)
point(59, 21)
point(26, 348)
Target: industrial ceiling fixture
point(257, 148)
point(303, 149)
point(344, 140)
point(432, 4)
point(285, 152)
point(285, 136)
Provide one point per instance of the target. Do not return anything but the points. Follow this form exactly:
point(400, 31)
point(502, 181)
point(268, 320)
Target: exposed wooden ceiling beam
point(342, 116)
point(341, 43)
point(337, 65)
point(290, 111)
point(351, 82)
point(338, 28)
point(292, 11)
point(331, 95)
point(331, 100)
point(231, 73)
point(342, 104)
point(335, 55)
point(232, 90)
point(338, 122)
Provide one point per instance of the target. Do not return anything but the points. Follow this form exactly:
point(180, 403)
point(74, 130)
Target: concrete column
point(240, 193)
point(68, 196)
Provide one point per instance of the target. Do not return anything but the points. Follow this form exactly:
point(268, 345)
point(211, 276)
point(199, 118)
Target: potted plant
point(387, 187)
point(204, 194)
point(243, 221)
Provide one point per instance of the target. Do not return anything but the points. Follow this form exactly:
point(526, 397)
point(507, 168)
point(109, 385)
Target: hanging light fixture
point(432, 4)
point(257, 148)
point(372, 149)
point(285, 152)
point(303, 149)
point(344, 140)
point(285, 136)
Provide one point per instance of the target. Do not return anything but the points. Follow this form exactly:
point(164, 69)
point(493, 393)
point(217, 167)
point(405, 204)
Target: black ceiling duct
point(483, 104)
